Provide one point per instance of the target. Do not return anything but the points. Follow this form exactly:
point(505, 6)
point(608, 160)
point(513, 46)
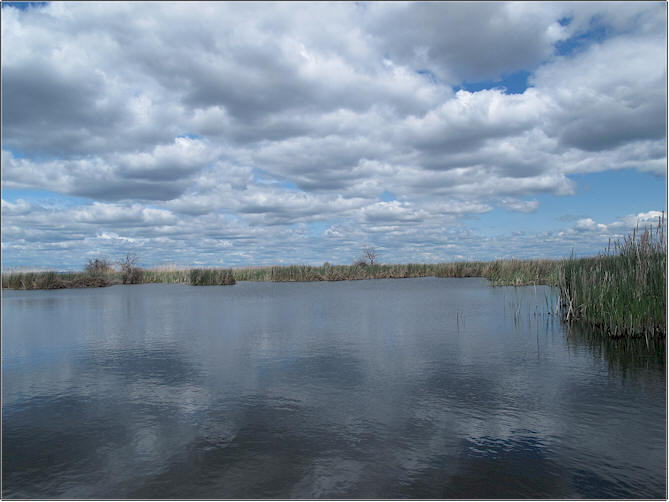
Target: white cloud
point(521, 206)
point(15, 208)
point(238, 122)
point(120, 214)
point(588, 230)
point(392, 212)
point(599, 103)
point(180, 159)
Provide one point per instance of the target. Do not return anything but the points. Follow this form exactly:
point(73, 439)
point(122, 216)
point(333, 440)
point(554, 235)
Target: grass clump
point(210, 277)
point(622, 293)
point(361, 269)
point(33, 280)
point(97, 276)
point(523, 272)
point(53, 280)
point(166, 275)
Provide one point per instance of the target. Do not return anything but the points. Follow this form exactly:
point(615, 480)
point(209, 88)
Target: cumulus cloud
point(599, 103)
point(587, 229)
point(521, 206)
point(588, 225)
point(15, 208)
point(266, 126)
point(464, 41)
point(123, 215)
point(180, 159)
point(393, 212)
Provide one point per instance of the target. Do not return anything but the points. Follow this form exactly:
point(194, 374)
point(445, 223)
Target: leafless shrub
point(98, 267)
point(130, 272)
point(369, 257)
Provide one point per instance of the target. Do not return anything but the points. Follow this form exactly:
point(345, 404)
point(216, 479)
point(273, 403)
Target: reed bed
point(53, 280)
point(523, 272)
point(620, 292)
point(166, 276)
point(61, 280)
point(210, 277)
point(327, 272)
point(500, 272)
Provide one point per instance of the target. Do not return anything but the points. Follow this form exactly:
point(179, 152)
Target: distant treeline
point(621, 291)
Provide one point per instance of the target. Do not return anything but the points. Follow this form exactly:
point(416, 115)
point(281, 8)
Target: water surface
point(426, 388)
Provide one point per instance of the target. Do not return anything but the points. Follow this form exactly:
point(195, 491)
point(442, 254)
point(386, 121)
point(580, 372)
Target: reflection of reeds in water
point(623, 354)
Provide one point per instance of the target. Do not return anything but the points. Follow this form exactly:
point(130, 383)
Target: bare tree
point(369, 254)
point(130, 272)
point(369, 257)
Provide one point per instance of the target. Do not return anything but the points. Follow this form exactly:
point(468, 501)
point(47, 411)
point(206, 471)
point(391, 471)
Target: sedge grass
point(500, 272)
point(53, 280)
point(210, 277)
point(622, 293)
point(60, 280)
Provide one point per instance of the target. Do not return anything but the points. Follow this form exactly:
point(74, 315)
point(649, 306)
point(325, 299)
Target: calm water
point(427, 388)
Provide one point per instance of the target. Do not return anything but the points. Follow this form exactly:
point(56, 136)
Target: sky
point(234, 134)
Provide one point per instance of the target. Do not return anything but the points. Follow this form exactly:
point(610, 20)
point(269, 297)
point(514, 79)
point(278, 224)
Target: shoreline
point(500, 272)
point(619, 295)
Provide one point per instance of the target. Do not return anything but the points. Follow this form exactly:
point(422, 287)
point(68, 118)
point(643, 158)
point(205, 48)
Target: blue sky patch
point(190, 135)
point(387, 196)
point(316, 228)
point(513, 83)
point(33, 195)
point(604, 197)
point(596, 34)
point(24, 5)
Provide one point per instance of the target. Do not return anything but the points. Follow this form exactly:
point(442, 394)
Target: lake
point(412, 388)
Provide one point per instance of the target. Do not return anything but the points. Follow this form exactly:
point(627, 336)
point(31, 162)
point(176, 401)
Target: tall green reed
point(622, 292)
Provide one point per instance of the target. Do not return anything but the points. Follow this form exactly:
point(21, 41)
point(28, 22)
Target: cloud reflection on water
point(336, 390)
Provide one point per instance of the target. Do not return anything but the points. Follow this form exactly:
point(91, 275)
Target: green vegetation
point(130, 274)
point(360, 270)
point(620, 292)
point(166, 275)
point(523, 272)
point(500, 272)
point(54, 280)
point(210, 277)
